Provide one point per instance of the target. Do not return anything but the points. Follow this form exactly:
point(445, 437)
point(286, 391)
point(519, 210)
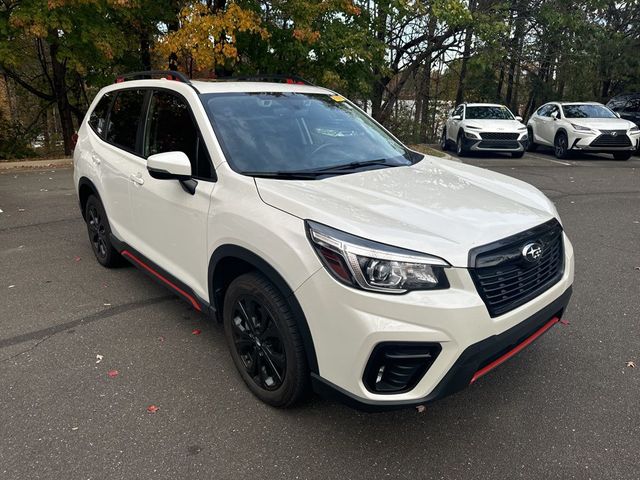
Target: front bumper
point(479, 145)
point(593, 143)
point(347, 324)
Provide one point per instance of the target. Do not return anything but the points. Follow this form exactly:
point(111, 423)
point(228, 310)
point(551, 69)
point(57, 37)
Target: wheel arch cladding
point(86, 188)
point(228, 262)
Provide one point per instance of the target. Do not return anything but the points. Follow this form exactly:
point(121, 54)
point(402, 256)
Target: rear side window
point(98, 117)
point(171, 128)
point(125, 118)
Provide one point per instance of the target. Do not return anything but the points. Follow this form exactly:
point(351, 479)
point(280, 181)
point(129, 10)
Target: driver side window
point(458, 110)
point(171, 128)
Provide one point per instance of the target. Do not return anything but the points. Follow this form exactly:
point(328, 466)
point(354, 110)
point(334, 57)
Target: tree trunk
point(145, 50)
point(61, 96)
point(468, 37)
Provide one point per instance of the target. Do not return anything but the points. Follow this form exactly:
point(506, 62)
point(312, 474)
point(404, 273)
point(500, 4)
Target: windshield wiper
point(352, 165)
point(293, 175)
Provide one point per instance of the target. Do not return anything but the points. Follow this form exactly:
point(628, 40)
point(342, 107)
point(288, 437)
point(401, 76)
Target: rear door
point(116, 157)
point(170, 224)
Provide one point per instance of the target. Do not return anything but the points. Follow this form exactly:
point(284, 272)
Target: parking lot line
point(549, 159)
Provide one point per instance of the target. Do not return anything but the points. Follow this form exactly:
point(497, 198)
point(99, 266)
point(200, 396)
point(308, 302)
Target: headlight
point(368, 265)
point(472, 135)
point(580, 128)
point(635, 130)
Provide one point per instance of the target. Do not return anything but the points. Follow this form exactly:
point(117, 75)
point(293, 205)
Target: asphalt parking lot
point(566, 407)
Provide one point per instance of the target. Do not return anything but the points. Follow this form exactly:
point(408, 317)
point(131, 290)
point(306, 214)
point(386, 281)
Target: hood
point(496, 125)
point(436, 206)
point(603, 123)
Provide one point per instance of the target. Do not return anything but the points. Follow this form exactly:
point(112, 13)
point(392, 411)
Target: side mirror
point(554, 115)
point(518, 118)
point(172, 166)
point(617, 114)
point(456, 117)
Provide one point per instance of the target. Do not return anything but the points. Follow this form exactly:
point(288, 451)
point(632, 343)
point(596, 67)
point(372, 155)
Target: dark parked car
point(627, 106)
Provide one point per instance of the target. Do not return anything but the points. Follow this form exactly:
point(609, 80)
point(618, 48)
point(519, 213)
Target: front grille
point(499, 136)
point(492, 144)
point(505, 279)
point(612, 138)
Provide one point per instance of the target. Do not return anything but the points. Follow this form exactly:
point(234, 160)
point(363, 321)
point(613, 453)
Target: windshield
point(293, 132)
point(488, 113)
point(587, 111)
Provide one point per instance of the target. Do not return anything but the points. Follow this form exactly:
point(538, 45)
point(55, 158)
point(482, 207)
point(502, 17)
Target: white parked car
point(334, 256)
point(484, 127)
point(582, 126)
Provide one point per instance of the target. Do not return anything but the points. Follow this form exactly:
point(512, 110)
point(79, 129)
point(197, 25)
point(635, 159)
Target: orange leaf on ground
point(197, 331)
point(113, 373)
point(152, 409)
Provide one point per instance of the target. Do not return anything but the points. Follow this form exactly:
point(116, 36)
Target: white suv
point(589, 127)
point(334, 256)
point(484, 127)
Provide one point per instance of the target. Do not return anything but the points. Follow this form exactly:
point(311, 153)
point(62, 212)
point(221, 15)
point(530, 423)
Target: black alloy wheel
point(99, 233)
point(258, 343)
point(264, 341)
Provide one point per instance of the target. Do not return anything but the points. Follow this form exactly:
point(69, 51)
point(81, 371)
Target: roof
point(484, 105)
point(222, 86)
point(228, 86)
point(577, 103)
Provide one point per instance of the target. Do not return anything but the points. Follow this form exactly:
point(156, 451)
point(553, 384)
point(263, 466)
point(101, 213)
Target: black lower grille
point(498, 145)
point(499, 136)
point(612, 138)
point(515, 270)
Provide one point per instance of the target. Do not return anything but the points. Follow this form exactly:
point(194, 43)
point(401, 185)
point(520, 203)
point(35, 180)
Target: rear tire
point(100, 233)
point(533, 146)
point(561, 146)
point(622, 155)
point(461, 150)
point(264, 341)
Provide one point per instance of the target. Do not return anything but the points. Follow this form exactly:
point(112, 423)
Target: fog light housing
point(398, 367)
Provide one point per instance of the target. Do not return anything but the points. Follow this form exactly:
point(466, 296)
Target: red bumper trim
point(498, 361)
point(141, 264)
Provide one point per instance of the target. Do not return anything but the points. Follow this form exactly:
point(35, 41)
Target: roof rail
point(149, 74)
point(274, 78)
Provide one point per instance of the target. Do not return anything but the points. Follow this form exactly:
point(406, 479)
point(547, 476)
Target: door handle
point(137, 179)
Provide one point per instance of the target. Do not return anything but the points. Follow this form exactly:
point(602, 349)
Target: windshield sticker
point(338, 98)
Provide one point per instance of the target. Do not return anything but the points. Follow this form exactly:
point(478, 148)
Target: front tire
point(517, 154)
point(561, 146)
point(443, 140)
point(461, 149)
point(622, 155)
point(264, 341)
point(100, 233)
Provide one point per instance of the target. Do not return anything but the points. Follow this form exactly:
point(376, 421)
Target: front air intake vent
point(398, 367)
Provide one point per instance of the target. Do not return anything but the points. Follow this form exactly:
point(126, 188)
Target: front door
point(170, 223)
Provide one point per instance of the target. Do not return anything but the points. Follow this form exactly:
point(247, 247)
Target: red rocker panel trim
point(498, 361)
point(141, 264)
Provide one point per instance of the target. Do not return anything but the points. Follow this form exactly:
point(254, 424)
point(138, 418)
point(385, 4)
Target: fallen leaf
point(11, 286)
point(74, 428)
point(99, 358)
point(112, 373)
point(637, 268)
point(106, 304)
point(161, 339)
point(631, 364)
point(152, 409)
point(421, 408)
point(76, 259)
point(21, 209)
point(197, 331)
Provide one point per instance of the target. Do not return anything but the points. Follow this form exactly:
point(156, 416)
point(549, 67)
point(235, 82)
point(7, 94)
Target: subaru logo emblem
point(532, 252)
